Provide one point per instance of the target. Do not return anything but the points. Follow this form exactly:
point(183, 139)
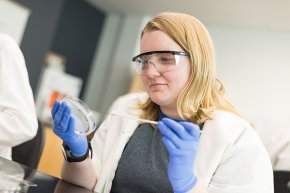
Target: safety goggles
point(163, 61)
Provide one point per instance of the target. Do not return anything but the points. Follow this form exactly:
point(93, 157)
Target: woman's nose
point(151, 70)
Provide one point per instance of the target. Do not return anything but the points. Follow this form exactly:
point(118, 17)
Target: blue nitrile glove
point(64, 127)
point(181, 140)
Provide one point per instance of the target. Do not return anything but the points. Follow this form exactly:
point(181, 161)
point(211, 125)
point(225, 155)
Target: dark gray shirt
point(143, 164)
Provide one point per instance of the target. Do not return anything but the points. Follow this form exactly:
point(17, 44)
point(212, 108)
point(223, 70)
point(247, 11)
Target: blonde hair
point(203, 93)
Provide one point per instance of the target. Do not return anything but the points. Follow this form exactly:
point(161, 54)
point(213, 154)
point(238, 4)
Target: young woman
point(177, 67)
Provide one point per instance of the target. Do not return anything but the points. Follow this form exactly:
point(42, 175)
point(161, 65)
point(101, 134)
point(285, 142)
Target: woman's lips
point(156, 85)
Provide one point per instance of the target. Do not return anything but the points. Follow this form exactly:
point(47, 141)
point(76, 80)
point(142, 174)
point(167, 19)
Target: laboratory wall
point(254, 65)
point(39, 34)
point(111, 73)
point(70, 28)
point(76, 37)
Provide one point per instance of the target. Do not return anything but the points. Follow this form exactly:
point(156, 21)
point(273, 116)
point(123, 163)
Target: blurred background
point(84, 48)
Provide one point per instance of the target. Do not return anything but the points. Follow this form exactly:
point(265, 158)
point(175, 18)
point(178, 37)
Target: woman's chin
point(159, 100)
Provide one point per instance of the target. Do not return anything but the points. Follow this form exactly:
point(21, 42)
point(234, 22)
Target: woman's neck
point(170, 112)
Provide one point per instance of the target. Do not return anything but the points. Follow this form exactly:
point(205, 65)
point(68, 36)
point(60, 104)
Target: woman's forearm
point(80, 173)
point(198, 188)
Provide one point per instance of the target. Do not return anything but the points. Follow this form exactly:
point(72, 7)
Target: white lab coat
point(18, 122)
point(230, 159)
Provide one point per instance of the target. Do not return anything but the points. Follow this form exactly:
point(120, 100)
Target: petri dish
point(85, 118)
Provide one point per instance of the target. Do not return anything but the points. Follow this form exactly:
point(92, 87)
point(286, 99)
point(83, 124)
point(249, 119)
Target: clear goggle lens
point(163, 61)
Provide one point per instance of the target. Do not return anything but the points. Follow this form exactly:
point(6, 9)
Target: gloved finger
point(177, 128)
point(192, 129)
point(59, 114)
point(71, 126)
point(55, 108)
point(76, 141)
point(168, 133)
point(65, 119)
point(171, 148)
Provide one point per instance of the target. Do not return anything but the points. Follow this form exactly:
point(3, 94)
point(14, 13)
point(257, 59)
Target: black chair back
point(282, 181)
point(28, 153)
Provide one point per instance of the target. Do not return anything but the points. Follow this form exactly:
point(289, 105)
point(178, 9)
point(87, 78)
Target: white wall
point(254, 65)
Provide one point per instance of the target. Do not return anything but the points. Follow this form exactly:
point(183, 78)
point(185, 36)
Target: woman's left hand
point(181, 140)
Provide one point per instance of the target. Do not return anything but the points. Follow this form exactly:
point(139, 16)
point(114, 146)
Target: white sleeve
point(18, 122)
point(245, 168)
point(100, 138)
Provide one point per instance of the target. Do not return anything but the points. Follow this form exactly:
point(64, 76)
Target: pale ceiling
point(271, 14)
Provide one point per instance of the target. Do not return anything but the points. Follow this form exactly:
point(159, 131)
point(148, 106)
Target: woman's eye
point(166, 60)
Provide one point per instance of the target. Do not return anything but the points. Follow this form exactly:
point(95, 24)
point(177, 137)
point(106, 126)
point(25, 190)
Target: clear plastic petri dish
point(85, 119)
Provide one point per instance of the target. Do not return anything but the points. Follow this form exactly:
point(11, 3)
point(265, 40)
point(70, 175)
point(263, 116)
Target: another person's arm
point(18, 122)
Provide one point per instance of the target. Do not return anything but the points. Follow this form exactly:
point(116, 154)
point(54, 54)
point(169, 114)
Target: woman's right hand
point(64, 127)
